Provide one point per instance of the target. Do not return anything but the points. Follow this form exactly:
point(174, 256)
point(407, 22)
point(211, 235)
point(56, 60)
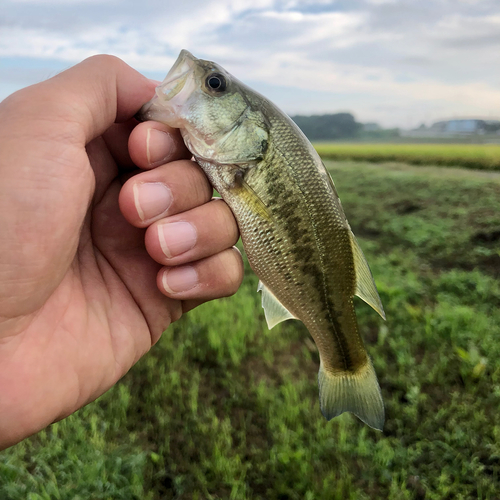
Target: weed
point(221, 408)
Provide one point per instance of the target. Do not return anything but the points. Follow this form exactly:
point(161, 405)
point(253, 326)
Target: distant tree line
point(328, 127)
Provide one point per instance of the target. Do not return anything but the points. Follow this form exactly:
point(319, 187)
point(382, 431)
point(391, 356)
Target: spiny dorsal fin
point(365, 286)
point(274, 310)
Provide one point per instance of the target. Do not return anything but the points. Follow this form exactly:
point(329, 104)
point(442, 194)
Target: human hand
point(86, 288)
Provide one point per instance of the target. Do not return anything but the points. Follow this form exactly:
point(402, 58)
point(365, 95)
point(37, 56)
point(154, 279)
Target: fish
point(294, 231)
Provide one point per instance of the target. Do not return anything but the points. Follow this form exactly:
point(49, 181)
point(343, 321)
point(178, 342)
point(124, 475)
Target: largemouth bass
point(294, 230)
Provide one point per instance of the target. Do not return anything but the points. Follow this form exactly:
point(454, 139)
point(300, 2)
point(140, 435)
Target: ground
point(223, 408)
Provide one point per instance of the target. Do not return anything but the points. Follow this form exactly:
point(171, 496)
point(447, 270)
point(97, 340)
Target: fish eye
point(216, 82)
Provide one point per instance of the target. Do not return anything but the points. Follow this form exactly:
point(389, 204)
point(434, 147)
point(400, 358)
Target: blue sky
point(396, 62)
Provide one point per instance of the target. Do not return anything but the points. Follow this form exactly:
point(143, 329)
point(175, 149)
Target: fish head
point(219, 116)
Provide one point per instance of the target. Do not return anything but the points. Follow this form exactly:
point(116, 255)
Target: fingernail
point(151, 199)
point(180, 279)
point(158, 146)
point(176, 238)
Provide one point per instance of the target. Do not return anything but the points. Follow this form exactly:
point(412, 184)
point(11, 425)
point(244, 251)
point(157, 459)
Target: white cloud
point(47, 3)
point(385, 60)
point(334, 28)
point(380, 2)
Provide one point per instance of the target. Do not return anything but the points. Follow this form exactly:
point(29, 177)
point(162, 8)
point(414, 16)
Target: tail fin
point(356, 392)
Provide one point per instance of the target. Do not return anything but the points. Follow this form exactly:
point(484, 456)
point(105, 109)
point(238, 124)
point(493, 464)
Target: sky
point(399, 63)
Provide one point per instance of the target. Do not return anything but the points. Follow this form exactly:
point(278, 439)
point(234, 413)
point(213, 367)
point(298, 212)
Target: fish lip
point(143, 114)
point(152, 110)
point(176, 78)
point(171, 86)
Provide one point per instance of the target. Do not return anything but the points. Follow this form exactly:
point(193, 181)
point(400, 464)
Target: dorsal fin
point(365, 286)
point(274, 310)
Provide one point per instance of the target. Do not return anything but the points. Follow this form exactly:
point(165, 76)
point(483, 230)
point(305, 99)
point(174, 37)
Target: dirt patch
point(284, 362)
point(405, 207)
point(487, 236)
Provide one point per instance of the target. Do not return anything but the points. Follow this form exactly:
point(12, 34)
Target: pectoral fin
point(365, 286)
point(249, 196)
point(255, 202)
point(274, 310)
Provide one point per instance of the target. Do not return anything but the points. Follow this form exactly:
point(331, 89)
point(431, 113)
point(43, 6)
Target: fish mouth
point(177, 76)
point(163, 106)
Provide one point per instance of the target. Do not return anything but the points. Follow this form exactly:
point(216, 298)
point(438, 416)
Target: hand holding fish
point(97, 257)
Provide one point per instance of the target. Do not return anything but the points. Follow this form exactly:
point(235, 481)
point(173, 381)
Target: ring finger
point(192, 235)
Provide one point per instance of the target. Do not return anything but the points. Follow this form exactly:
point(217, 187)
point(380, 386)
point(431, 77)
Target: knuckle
point(198, 183)
point(225, 223)
point(235, 272)
point(176, 312)
point(230, 225)
point(104, 60)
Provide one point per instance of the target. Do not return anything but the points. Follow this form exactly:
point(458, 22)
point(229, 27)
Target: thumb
point(100, 91)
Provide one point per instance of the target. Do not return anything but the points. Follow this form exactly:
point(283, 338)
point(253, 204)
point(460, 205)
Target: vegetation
point(224, 409)
point(477, 156)
point(379, 135)
point(328, 127)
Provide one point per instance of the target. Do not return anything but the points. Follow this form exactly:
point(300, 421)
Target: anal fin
point(365, 285)
point(274, 311)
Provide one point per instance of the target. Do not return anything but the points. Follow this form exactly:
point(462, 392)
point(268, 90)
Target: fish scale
point(294, 230)
point(314, 210)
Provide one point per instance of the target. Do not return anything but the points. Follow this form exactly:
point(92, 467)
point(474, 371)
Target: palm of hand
point(96, 312)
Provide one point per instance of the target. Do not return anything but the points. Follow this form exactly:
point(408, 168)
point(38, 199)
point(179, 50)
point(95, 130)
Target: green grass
point(477, 156)
point(224, 409)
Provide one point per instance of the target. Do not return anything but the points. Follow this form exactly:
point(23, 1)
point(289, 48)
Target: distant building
point(463, 126)
point(456, 127)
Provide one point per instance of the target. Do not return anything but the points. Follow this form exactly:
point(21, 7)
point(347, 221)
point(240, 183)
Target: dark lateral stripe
point(338, 337)
point(341, 341)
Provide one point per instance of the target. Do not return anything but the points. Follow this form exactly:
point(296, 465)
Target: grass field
point(477, 156)
point(222, 408)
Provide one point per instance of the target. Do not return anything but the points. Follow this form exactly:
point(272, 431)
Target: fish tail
point(357, 392)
